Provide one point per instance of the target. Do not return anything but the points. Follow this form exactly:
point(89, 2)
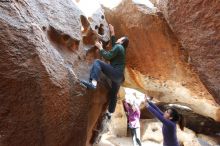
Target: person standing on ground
point(114, 71)
point(169, 119)
point(133, 115)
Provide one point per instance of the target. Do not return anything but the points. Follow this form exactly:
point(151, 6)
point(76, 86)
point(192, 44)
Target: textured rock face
point(45, 45)
point(42, 52)
point(156, 63)
point(197, 26)
point(118, 125)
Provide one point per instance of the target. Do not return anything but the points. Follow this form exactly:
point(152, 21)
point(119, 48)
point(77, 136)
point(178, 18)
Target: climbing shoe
point(88, 85)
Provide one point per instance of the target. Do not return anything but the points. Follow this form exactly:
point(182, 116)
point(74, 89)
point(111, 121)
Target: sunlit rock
point(196, 24)
point(156, 63)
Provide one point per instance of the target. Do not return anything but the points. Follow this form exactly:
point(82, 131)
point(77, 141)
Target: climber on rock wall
point(169, 119)
point(114, 71)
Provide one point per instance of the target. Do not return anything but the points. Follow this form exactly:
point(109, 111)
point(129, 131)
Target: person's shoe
point(88, 85)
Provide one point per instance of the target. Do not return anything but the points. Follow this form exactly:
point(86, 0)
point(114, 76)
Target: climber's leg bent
point(98, 66)
point(96, 70)
point(94, 75)
point(112, 73)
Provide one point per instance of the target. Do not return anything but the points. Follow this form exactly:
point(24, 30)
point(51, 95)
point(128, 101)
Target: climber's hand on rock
point(98, 45)
point(111, 28)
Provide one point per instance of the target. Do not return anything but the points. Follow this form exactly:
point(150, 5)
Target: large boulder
point(196, 23)
point(42, 56)
point(47, 46)
point(156, 63)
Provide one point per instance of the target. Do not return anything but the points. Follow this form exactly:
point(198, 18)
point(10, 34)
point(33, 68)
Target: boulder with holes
point(42, 57)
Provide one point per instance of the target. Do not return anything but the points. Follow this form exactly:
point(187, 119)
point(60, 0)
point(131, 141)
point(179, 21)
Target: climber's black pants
point(114, 74)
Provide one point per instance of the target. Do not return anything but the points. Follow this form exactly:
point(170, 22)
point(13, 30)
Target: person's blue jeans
point(114, 74)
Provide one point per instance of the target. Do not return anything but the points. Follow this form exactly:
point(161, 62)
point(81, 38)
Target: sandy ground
point(110, 140)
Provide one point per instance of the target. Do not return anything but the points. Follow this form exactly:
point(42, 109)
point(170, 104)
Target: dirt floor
point(110, 140)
